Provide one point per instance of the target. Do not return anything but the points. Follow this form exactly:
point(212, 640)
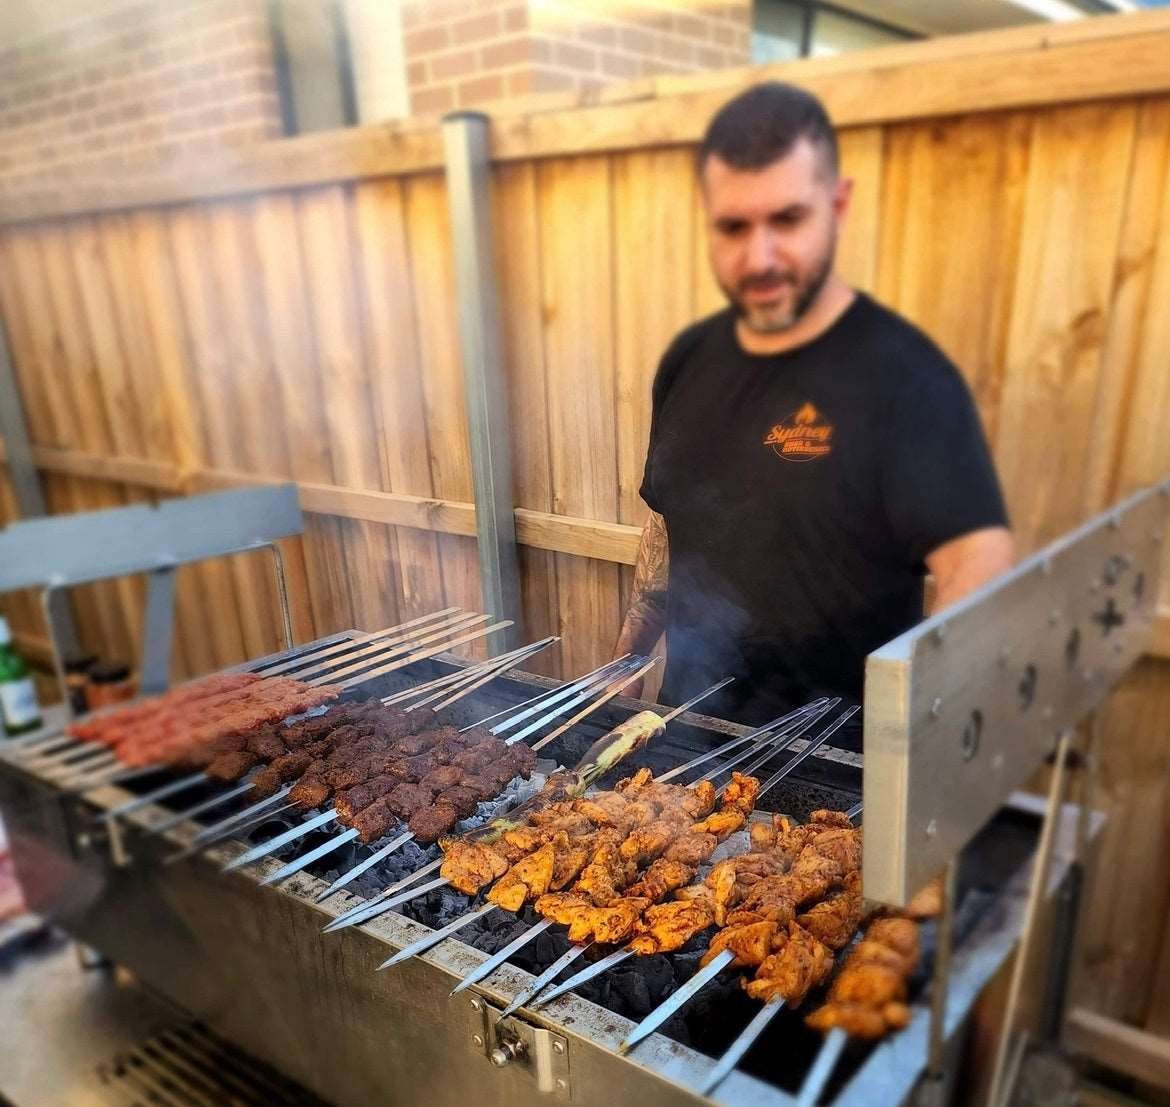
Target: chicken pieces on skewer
point(867, 998)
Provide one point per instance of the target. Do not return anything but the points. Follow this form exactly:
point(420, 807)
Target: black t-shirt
point(801, 492)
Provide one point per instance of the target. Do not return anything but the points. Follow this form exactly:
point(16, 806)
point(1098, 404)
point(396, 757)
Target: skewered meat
point(231, 766)
point(834, 921)
point(266, 743)
point(526, 879)
point(372, 823)
point(801, 963)
point(405, 799)
point(604, 809)
point(928, 903)
point(310, 791)
point(661, 878)
point(665, 927)
point(866, 998)
point(691, 848)
point(462, 798)
point(470, 865)
point(750, 944)
point(562, 907)
point(645, 843)
point(611, 924)
point(429, 823)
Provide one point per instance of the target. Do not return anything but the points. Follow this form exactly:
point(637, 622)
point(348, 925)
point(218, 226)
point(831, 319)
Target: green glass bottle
point(19, 709)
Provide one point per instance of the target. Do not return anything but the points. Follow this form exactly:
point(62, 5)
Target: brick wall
point(464, 52)
point(132, 90)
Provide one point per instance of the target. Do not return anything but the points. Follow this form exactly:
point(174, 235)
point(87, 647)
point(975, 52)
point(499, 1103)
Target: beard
point(775, 318)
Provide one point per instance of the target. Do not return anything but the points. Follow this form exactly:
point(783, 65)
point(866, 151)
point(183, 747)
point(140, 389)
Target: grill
point(253, 963)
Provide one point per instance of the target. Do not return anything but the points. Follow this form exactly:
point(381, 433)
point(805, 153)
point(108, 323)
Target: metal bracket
point(962, 708)
point(515, 1044)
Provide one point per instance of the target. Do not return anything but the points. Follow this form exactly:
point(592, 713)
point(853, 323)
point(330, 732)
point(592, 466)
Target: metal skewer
point(680, 998)
point(547, 694)
point(376, 652)
point(500, 956)
point(637, 674)
point(480, 677)
point(433, 939)
point(578, 691)
point(157, 794)
point(265, 848)
point(773, 744)
point(305, 859)
point(420, 655)
point(741, 1044)
point(727, 747)
point(455, 679)
point(228, 824)
point(200, 808)
point(814, 1082)
point(544, 979)
point(355, 916)
point(586, 974)
point(362, 866)
point(277, 667)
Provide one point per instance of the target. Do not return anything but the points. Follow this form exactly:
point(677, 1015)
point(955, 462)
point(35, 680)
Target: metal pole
point(159, 630)
point(466, 153)
point(26, 485)
point(940, 987)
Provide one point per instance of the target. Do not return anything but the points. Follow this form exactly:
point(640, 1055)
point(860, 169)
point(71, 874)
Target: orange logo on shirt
point(803, 436)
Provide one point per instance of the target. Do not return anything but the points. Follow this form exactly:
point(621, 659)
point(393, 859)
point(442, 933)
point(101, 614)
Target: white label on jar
point(18, 703)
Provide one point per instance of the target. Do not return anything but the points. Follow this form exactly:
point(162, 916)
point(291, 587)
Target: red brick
point(689, 25)
point(710, 57)
point(521, 83)
point(426, 40)
point(457, 64)
point(416, 73)
point(573, 56)
point(598, 34)
point(488, 87)
point(637, 41)
point(620, 65)
point(431, 101)
point(476, 28)
point(505, 53)
point(516, 18)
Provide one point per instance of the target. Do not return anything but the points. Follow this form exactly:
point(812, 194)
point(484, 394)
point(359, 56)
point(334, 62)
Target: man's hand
point(646, 613)
point(968, 562)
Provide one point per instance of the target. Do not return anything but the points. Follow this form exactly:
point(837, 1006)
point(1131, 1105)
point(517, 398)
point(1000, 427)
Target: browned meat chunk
point(522, 758)
point(406, 799)
point(445, 776)
point(266, 743)
point(265, 783)
point(359, 797)
point(430, 822)
point(374, 821)
point(421, 719)
point(463, 799)
point(291, 765)
point(231, 766)
point(418, 767)
point(310, 791)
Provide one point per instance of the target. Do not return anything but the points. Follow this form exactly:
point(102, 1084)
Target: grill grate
point(188, 1066)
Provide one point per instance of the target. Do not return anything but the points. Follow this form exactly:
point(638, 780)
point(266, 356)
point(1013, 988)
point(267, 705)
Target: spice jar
point(77, 680)
point(108, 683)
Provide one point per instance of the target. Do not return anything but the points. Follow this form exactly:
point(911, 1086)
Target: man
point(812, 454)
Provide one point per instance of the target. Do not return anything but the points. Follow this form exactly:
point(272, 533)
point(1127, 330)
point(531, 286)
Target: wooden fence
point(289, 313)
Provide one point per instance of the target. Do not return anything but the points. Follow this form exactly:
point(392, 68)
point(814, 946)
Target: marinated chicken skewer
point(603, 755)
point(613, 837)
point(867, 997)
point(613, 886)
point(763, 839)
point(620, 955)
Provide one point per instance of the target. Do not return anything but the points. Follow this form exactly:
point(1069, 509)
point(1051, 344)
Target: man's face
point(772, 234)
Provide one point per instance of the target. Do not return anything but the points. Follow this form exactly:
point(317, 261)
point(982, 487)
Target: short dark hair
point(763, 124)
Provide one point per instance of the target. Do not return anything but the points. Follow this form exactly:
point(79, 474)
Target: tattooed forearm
point(646, 615)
